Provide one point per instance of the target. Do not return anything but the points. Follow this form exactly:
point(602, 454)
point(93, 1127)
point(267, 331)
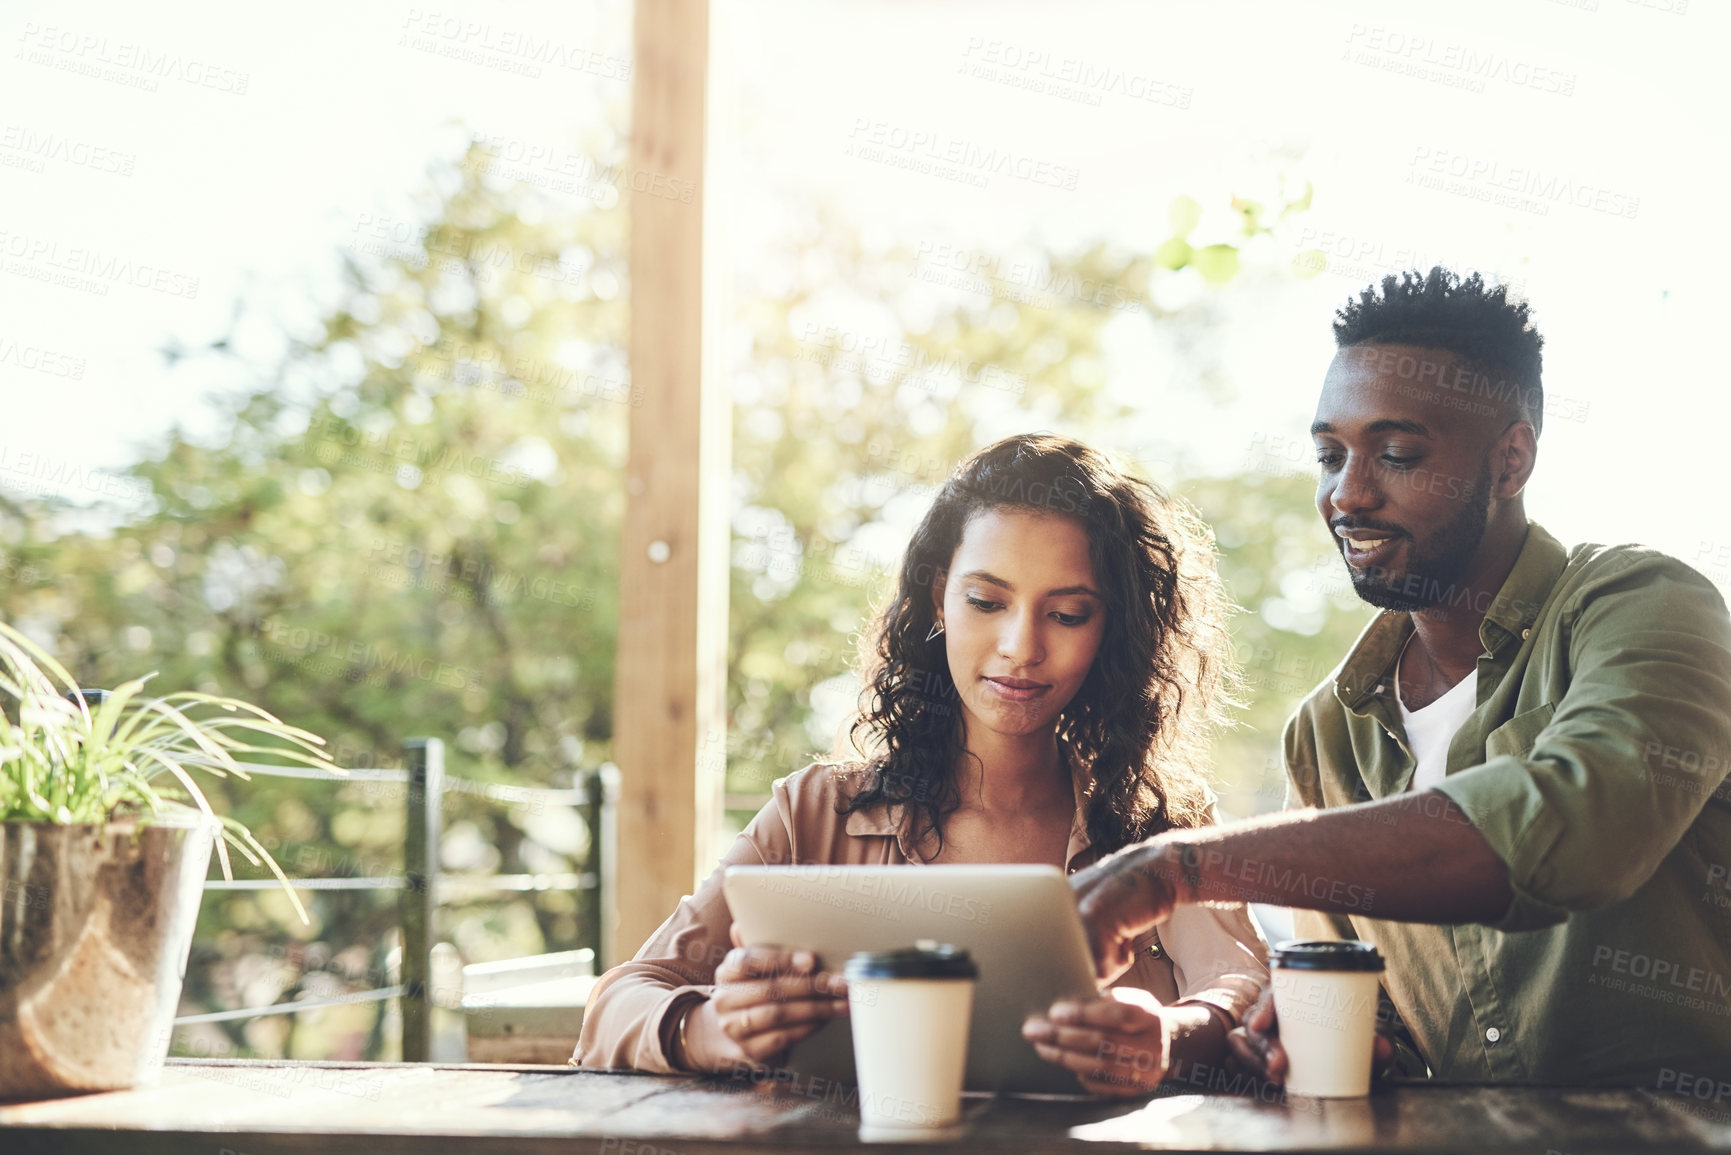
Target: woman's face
point(1022, 617)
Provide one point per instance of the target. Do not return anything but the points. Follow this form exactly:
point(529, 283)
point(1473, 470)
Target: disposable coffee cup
point(1325, 1000)
point(910, 1010)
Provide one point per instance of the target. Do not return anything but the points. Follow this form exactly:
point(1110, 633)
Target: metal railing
point(421, 884)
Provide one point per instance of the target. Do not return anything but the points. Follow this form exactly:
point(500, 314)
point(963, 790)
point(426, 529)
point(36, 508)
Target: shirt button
point(1525, 634)
point(1492, 1034)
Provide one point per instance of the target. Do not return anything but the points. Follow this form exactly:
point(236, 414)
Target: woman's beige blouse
point(1209, 955)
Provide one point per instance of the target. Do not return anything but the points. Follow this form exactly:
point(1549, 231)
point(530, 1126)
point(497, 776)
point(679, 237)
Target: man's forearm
point(1417, 858)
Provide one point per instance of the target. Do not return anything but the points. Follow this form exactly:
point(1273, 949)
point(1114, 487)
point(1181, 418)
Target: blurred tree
point(410, 527)
point(408, 524)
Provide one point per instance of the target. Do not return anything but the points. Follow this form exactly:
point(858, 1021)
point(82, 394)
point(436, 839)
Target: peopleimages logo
point(521, 50)
point(1029, 282)
point(1518, 186)
point(901, 892)
point(135, 65)
point(527, 157)
point(1663, 976)
point(376, 663)
point(1694, 1086)
point(40, 147)
point(35, 472)
point(40, 360)
point(1455, 65)
point(1066, 77)
point(939, 154)
point(92, 269)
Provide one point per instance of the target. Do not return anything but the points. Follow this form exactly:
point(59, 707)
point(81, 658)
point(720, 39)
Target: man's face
point(1405, 483)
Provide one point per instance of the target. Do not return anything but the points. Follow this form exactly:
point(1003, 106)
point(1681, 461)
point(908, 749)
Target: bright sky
point(1574, 147)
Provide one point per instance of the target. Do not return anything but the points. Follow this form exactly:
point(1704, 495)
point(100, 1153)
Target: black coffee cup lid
point(1326, 955)
point(924, 960)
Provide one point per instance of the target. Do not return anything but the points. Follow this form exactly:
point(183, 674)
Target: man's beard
point(1436, 563)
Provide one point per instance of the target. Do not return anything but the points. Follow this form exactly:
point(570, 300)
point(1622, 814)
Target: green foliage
point(409, 524)
point(63, 763)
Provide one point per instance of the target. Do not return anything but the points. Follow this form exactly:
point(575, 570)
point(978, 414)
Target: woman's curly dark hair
point(1159, 684)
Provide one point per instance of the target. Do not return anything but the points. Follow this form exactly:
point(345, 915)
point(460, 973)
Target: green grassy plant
point(130, 758)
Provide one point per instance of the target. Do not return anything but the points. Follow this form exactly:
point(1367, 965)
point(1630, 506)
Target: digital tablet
point(1018, 921)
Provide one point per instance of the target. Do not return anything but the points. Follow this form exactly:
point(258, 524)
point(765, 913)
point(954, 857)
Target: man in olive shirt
point(1516, 782)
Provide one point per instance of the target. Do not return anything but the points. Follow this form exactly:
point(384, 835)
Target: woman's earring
point(937, 629)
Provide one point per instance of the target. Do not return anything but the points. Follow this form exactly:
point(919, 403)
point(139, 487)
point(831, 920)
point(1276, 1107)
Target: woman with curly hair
point(1040, 687)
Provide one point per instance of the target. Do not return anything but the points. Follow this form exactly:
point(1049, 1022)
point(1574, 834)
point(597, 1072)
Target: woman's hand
point(1118, 1044)
point(766, 1000)
point(1254, 1049)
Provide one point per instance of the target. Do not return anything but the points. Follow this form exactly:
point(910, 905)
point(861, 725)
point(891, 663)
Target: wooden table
point(260, 1108)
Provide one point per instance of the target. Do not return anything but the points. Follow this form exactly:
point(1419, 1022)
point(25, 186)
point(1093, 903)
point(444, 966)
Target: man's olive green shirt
point(1595, 765)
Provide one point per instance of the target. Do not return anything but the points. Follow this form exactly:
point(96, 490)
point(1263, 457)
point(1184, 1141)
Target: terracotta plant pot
point(95, 926)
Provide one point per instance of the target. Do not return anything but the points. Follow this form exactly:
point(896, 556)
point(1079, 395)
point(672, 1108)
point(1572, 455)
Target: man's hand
point(1117, 1044)
point(1254, 1049)
point(766, 1000)
point(1119, 898)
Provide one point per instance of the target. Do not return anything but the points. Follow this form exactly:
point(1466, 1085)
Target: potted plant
point(105, 840)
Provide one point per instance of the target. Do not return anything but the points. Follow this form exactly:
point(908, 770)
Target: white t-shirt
point(1429, 730)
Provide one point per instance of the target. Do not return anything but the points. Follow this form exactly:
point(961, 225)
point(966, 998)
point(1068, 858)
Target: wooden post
point(421, 872)
point(668, 703)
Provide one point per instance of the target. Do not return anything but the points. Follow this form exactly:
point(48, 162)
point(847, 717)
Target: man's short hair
point(1440, 310)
